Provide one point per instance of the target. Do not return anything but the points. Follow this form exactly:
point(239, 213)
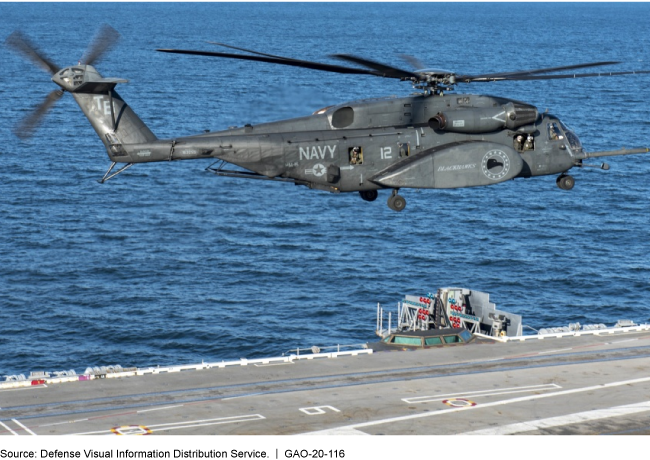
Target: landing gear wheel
point(565, 182)
point(396, 203)
point(369, 195)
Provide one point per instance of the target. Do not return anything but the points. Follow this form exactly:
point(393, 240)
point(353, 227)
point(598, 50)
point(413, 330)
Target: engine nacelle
point(484, 120)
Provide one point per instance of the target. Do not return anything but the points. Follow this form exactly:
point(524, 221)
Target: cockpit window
point(557, 131)
point(554, 132)
point(574, 142)
point(571, 138)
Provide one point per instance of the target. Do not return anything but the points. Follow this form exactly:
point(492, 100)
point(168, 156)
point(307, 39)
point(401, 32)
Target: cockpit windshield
point(557, 131)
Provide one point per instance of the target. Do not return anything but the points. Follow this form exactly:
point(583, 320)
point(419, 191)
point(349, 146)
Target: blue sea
point(169, 264)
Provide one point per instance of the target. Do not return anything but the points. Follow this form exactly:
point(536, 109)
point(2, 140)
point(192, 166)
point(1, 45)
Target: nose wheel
point(396, 202)
point(565, 182)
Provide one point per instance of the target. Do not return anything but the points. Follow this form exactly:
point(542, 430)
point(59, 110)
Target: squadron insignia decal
point(495, 164)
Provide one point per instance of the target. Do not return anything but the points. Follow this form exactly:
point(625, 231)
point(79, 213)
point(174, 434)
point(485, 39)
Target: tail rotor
point(17, 41)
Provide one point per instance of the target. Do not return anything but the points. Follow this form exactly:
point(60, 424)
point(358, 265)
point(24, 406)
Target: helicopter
point(432, 139)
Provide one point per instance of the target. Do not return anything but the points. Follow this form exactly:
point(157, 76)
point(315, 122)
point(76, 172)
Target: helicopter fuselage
point(418, 141)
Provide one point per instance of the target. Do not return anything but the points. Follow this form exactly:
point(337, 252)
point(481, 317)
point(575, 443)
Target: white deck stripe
point(189, 424)
point(479, 393)
point(31, 388)
point(492, 404)
point(23, 427)
point(158, 408)
point(565, 419)
point(9, 429)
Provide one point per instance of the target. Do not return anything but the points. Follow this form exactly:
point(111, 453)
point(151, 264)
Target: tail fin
point(113, 119)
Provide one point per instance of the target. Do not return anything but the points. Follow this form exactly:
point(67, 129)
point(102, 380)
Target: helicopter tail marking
point(114, 121)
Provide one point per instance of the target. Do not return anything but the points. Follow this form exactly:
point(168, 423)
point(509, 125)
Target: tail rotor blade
point(26, 127)
point(103, 41)
point(21, 44)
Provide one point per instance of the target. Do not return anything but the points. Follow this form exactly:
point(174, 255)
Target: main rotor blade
point(383, 69)
point(24, 46)
point(277, 60)
point(557, 77)
point(104, 40)
point(252, 52)
point(26, 127)
point(413, 61)
point(535, 71)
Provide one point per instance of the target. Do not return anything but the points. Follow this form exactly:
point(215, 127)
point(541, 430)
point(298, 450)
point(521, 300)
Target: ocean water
point(168, 264)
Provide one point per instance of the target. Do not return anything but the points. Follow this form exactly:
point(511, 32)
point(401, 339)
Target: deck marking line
point(9, 429)
point(158, 408)
point(177, 425)
point(459, 402)
point(23, 427)
point(496, 393)
point(341, 431)
point(233, 419)
point(34, 387)
point(131, 430)
point(561, 420)
point(317, 410)
point(210, 424)
point(237, 397)
point(491, 404)
point(546, 386)
point(67, 422)
point(554, 351)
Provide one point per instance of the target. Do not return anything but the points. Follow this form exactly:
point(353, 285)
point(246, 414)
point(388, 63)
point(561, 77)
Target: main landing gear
point(565, 182)
point(368, 195)
point(396, 202)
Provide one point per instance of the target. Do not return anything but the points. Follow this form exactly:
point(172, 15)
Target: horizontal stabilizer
point(85, 79)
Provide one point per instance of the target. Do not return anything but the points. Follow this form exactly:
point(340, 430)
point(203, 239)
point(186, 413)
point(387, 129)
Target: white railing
point(110, 372)
point(575, 333)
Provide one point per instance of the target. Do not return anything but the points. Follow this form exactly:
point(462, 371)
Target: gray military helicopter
point(426, 140)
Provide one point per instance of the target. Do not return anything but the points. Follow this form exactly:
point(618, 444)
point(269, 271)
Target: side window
point(524, 142)
point(452, 339)
point(519, 143)
point(356, 155)
point(408, 340)
point(404, 149)
point(466, 336)
point(433, 341)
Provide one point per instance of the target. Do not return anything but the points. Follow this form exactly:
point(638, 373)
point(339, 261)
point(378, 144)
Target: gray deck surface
point(576, 385)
